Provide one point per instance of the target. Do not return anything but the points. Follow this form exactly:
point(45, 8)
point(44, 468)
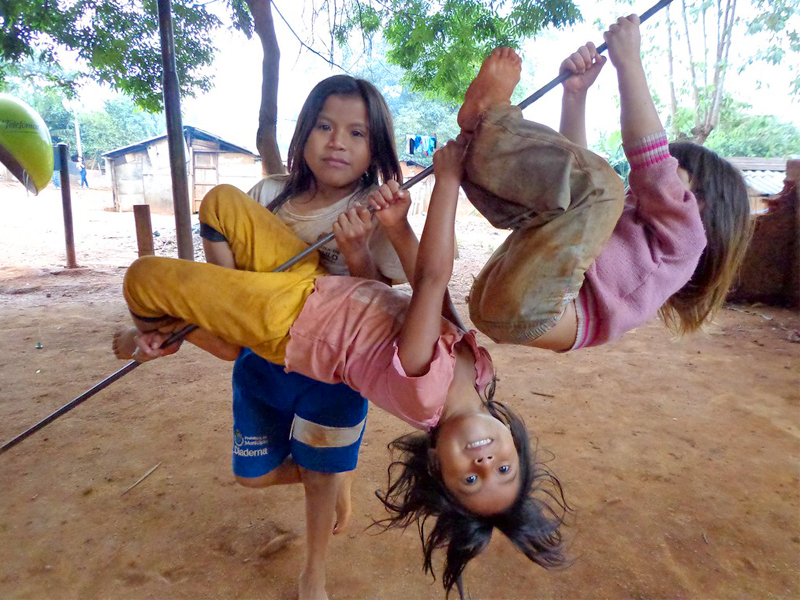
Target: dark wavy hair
point(726, 219)
point(416, 493)
point(383, 153)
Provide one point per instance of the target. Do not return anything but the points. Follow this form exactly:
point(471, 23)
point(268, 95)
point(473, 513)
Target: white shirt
point(317, 224)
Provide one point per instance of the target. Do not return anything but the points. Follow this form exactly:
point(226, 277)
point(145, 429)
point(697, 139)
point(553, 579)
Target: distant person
point(82, 171)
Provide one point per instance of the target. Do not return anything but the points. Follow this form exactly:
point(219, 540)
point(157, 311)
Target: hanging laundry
point(424, 145)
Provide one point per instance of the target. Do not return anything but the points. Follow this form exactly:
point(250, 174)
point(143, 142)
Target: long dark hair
point(417, 493)
point(719, 186)
point(383, 154)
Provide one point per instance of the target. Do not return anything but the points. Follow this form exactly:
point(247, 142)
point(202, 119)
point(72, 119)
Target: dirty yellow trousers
point(250, 305)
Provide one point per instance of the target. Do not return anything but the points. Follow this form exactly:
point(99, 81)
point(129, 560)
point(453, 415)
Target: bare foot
point(344, 509)
point(312, 587)
point(124, 343)
point(493, 85)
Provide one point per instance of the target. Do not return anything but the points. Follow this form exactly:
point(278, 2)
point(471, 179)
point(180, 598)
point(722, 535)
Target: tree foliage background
point(439, 44)
point(429, 51)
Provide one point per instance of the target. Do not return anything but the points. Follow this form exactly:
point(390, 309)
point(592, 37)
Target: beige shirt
point(317, 224)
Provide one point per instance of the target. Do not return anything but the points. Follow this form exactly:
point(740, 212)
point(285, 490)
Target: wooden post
point(793, 174)
point(144, 229)
point(66, 205)
point(175, 140)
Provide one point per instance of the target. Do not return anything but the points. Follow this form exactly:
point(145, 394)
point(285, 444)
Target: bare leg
point(286, 474)
point(561, 336)
point(344, 508)
point(322, 491)
point(493, 85)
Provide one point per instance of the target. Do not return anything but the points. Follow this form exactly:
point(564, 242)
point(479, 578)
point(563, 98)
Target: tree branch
point(304, 45)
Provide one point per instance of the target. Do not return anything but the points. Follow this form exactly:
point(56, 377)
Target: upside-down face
point(479, 462)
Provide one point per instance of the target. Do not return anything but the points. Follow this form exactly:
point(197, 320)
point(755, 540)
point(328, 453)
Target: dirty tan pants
point(561, 202)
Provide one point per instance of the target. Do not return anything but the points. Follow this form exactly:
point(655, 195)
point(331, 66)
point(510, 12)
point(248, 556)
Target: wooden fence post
point(144, 229)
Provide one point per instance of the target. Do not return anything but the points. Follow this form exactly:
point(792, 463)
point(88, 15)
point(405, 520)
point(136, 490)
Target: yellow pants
point(249, 305)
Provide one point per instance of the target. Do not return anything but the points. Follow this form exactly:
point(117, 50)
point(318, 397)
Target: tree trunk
point(695, 91)
point(716, 106)
point(673, 102)
point(725, 21)
point(266, 136)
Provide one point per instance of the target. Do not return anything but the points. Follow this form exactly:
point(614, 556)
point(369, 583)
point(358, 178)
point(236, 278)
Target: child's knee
point(143, 276)
point(141, 270)
point(315, 481)
point(209, 207)
point(255, 482)
point(212, 201)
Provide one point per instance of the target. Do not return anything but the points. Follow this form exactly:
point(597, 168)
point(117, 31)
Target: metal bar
point(106, 382)
point(601, 48)
point(89, 393)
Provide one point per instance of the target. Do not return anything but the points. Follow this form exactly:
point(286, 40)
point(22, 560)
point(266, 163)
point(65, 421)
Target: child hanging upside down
point(396, 350)
point(584, 262)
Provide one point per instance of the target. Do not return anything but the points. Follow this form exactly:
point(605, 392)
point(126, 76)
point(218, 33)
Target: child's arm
point(638, 115)
point(352, 230)
point(434, 264)
point(585, 65)
point(391, 206)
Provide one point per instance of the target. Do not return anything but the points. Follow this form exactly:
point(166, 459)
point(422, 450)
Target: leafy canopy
point(441, 44)
point(118, 40)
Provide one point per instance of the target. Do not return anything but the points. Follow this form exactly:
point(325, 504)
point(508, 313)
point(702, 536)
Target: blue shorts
point(277, 414)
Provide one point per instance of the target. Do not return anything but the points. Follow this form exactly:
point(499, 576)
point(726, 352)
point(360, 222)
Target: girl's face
point(337, 150)
point(479, 462)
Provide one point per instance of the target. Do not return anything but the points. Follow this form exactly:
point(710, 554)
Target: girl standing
point(343, 145)
point(396, 350)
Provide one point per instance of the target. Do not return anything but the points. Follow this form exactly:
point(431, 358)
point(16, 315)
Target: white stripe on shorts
point(322, 436)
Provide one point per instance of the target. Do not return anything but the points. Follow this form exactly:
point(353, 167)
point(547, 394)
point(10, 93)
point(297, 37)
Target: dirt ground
point(680, 458)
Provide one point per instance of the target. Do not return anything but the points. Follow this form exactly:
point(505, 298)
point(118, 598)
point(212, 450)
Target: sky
point(231, 108)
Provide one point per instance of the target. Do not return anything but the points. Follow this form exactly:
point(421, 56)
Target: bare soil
point(680, 457)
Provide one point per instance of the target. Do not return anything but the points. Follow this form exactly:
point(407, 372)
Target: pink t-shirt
point(348, 332)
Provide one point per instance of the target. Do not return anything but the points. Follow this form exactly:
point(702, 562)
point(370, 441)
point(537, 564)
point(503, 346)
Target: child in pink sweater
point(585, 263)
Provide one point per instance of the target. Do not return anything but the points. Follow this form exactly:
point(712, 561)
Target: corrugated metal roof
point(763, 175)
point(765, 182)
point(195, 132)
point(752, 163)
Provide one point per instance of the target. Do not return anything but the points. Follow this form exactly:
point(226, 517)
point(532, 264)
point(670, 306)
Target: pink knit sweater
point(652, 253)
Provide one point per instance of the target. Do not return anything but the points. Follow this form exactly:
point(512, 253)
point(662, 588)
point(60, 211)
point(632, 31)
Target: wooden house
point(140, 173)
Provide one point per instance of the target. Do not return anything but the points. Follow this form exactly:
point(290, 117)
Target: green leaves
point(117, 41)
point(778, 20)
point(442, 44)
